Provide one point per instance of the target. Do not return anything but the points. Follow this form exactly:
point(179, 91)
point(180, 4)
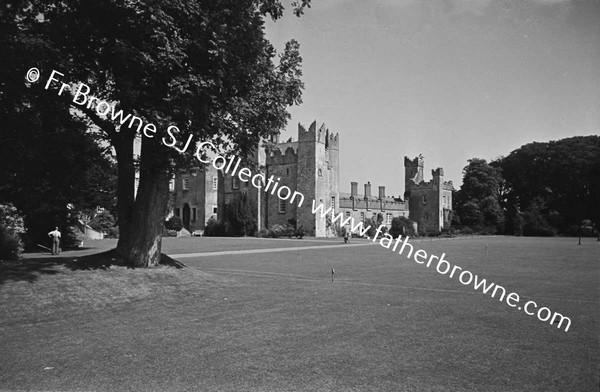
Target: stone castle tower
point(311, 166)
point(429, 203)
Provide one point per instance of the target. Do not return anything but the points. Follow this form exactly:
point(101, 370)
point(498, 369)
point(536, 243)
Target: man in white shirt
point(55, 235)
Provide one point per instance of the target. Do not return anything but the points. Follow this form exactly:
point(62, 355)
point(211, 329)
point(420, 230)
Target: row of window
point(388, 217)
point(445, 201)
point(185, 184)
point(193, 212)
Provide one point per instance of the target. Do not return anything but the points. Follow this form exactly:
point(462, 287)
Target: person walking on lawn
point(55, 235)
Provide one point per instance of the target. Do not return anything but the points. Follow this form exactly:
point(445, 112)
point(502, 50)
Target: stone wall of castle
point(283, 166)
point(310, 166)
point(196, 196)
point(430, 203)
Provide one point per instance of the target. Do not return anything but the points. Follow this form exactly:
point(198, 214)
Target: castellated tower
point(429, 203)
point(317, 175)
point(413, 172)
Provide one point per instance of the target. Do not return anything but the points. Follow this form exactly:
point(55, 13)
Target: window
point(235, 183)
point(332, 201)
point(215, 183)
point(444, 201)
point(282, 206)
point(215, 209)
point(362, 216)
point(193, 213)
point(287, 172)
point(186, 184)
point(388, 219)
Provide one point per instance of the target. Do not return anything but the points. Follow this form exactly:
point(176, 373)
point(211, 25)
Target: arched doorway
point(186, 216)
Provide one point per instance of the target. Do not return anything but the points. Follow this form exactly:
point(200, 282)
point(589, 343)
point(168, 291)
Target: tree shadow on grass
point(30, 269)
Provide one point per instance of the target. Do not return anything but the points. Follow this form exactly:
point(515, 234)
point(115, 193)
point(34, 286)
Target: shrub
point(11, 246)
point(214, 228)
point(71, 236)
point(289, 231)
point(576, 230)
point(401, 225)
point(11, 219)
point(263, 233)
point(170, 233)
point(174, 223)
point(11, 227)
point(239, 216)
point(299, 233)
point(277, 231)
point(105, 222)
point(466, 230)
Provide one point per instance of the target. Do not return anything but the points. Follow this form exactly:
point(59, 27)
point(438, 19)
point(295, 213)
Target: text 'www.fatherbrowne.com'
point(444, 267)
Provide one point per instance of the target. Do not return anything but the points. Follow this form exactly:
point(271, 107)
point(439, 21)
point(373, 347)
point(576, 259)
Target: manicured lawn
point(276, 322)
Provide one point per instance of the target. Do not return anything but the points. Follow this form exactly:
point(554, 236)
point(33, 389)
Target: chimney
point(368, 190)
point(353, 189)
point(381, 192)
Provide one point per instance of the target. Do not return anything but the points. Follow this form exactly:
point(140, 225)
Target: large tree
point(204, 66)
point(478, 200)
point(554, 183)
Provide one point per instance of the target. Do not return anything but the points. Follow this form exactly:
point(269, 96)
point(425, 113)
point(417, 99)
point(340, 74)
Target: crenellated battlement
point(320, 135)
point(286, 153)
point(416, 162)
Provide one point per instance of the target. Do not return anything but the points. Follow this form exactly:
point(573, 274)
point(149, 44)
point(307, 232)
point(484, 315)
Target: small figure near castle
point(55, 235)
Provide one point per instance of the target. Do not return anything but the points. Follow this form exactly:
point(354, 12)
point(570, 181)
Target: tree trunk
point(141, 246)
point(125, 184)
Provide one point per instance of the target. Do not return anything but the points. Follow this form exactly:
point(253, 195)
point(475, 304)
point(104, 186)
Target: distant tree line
point(539, 189)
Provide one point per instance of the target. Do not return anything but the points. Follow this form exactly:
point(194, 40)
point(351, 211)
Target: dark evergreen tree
point(240, 216)
point(477, 203)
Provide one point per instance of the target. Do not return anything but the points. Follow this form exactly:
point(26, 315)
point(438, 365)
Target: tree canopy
point(203, 66)
point(557, 181)
point(538, 189)
point(477, 201)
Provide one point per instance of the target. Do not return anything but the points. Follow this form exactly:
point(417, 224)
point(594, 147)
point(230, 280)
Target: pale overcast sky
point(452, 79)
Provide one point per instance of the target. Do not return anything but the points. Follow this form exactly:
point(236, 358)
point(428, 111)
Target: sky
point(452, 79)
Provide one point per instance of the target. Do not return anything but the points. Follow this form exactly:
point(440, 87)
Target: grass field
point(275, 321)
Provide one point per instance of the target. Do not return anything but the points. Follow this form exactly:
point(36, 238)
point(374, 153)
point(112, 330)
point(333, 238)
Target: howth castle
point(310, 165)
